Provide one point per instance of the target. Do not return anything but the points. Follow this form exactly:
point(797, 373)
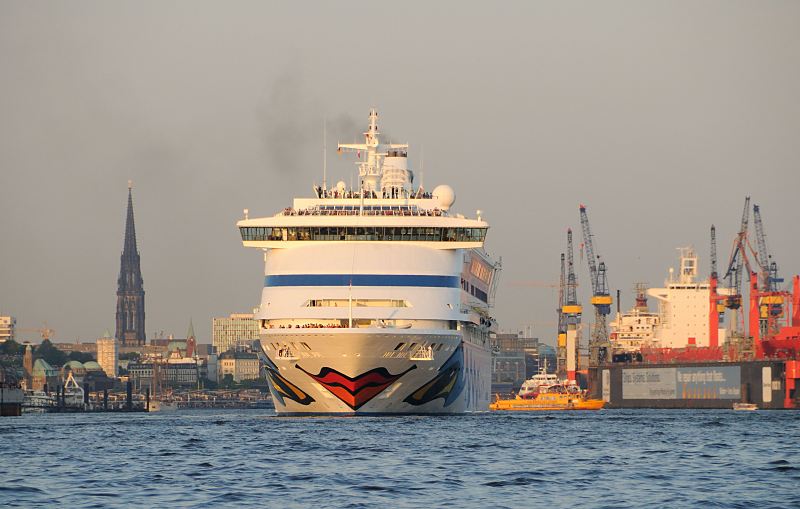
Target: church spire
point(129, 250)
point(130, 289)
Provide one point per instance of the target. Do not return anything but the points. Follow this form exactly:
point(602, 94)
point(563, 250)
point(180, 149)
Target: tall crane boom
point(572, 281)
point(562, 295)
point(561, 349)
point(734, 272)
point(715, 274)
point(769, 269)
point(597, 271)
point(601, 299)
point(761, 239)
point(713, 252)
point(569, 339)
point(587, 243)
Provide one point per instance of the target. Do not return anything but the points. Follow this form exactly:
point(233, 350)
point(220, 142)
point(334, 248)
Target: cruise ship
point(377, 299)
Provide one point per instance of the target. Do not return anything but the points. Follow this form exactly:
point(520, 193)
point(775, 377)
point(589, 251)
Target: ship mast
point(369, 169)
point(324, 157)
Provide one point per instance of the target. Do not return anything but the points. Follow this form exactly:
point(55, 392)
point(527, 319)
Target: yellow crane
point(44, 331)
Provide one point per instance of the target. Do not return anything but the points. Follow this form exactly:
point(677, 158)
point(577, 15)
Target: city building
point(240, 365)
point(108, 354)
point(27, 366)
point(90, 348)
point(8, 325)
point(508, 371)
point(234, 330)
point(45, 377)
point(212, 367)
point(204, 350)
point(130, 287)
point(166, 373)
point(529, 346)
point(168, 345)
point(547, 354)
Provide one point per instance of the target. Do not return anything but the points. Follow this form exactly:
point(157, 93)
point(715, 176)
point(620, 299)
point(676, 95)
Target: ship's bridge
point(352, 220)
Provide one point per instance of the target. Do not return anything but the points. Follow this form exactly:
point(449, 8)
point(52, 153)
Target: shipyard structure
point(706, 344)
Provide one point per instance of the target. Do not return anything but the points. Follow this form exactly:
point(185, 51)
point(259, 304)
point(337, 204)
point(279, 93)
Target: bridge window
point(343, 303)
point(368, 233)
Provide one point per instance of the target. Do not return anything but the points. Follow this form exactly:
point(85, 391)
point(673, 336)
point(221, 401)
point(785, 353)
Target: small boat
point(531, 387)
point(749, 407)
point(38, 402)
point(162, 406)
point(559, 396)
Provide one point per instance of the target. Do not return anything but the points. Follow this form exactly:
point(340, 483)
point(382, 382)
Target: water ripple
point(614, 459)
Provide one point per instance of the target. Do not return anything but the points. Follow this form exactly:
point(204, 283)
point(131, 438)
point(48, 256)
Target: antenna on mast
point(324, 156)
point(422, 166)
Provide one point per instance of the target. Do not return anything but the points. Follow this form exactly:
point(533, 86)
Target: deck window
point(362, 233)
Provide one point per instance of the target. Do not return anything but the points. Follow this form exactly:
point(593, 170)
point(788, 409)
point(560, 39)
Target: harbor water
point(619, 458)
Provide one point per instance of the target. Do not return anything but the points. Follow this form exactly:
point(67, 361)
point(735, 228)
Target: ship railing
point(287, 354)
point(423, 353)
point(352, 210)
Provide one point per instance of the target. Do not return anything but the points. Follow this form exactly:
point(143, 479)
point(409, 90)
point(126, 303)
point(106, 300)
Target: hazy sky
point(659, 116)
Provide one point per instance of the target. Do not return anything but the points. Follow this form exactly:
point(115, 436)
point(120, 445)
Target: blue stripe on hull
point(363, 280)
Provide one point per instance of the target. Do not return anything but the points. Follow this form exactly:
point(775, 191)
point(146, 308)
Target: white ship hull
point(376, 371)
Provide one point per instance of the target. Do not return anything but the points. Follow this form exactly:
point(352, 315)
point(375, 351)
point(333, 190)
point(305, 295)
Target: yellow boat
point(548, 401)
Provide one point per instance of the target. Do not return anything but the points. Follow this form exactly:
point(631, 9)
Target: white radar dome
point(341, 186)
point(445, 196)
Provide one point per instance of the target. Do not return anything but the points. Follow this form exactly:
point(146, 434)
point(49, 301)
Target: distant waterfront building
point(7, 326)
point(204, 350)
point(212, 367)
point(157, 375)
point(89, 348)
point(45, 377)
point(108, 354)
point(130, 287)
point(236, 329)
point(27, 366)
point(547, 354)
point(240, 365)
point(508, 371)
point(529, 346)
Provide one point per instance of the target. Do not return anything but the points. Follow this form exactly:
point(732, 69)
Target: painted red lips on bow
point(355, 392)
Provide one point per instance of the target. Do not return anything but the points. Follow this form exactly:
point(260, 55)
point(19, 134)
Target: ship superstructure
point(683, 313)
point(376, 299)
point(635, 328)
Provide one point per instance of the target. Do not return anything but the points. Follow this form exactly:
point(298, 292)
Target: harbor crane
point(714, 273)
point(569, 315)
point(713, 251)
point(766, 306)
point(733, 274)
point(769, 269)
point(601, 299)
point(571, 312)
point(562, 319)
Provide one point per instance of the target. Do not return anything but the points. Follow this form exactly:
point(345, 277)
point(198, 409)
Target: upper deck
point(386, 207)
point(388, 220)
